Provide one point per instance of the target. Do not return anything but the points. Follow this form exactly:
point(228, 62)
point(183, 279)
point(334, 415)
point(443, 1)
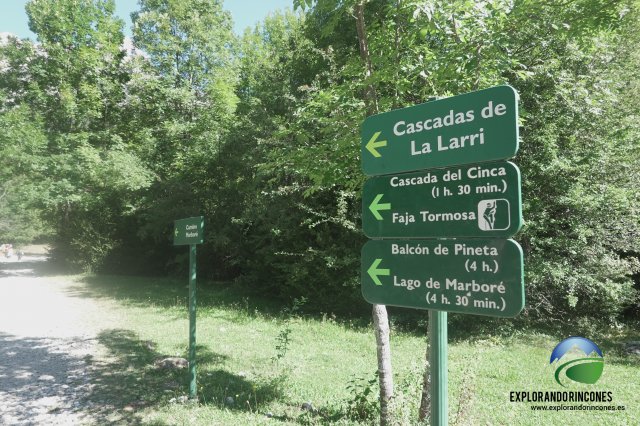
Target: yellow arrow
point(373, 271)
point(376, 206)
point(373, 144)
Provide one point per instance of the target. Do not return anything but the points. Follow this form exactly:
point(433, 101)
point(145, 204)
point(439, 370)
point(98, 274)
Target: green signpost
point(469, 128)
point(479, 200)
point(190, 232)
point(469, 276)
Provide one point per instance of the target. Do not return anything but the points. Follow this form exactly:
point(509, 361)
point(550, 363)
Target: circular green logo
point(587, 369)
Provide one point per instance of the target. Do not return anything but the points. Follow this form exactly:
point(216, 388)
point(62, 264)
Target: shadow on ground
point(31, 266)
point(167, 293)
point(243, 306)
point(127, 380)
point(42, 378)
point(238, 301)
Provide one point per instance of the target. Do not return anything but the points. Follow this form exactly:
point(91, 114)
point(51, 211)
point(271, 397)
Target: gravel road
point(47, 338)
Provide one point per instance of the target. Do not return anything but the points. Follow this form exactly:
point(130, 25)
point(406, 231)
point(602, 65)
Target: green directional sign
point(472, 276)
point(469, 128)
point(188, 231)
point(479, 200)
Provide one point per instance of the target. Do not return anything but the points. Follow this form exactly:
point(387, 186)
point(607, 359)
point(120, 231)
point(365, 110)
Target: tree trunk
point(385, 376)
point(380, 319)
point(425, 399)
point(371, 98)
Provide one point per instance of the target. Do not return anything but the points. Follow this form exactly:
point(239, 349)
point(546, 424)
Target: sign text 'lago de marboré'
point(471, 276)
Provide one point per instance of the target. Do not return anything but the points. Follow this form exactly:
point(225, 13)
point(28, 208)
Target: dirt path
point(47, 340)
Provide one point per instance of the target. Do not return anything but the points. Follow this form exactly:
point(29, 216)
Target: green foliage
point(76, 74)
point(283, 340)
point(188, 93)
point(577, 169)
point(143, 320)
point(582, 224)
point(22, 176)
point(260, 134)
point(363, 404)
point(282, 344)
point(74, 79)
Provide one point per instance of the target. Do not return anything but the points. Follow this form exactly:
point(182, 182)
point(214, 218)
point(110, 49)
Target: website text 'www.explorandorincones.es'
point(582, 407)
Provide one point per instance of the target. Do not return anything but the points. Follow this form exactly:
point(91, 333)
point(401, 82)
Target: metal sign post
point(479, 198)
point(438, 335)
point(192, 322)
point(190, 232)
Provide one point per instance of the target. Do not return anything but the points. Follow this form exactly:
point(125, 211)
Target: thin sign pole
point(438, 365)
point(192, 322)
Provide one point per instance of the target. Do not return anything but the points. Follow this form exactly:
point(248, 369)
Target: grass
point(270, 361)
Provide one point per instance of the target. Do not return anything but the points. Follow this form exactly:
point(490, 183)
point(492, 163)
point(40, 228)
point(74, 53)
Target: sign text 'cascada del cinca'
point(479, 200)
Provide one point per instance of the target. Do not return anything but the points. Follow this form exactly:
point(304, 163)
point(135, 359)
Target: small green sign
point(480, 200)
point(469, 128)
point(471, 276)
point(188, 231)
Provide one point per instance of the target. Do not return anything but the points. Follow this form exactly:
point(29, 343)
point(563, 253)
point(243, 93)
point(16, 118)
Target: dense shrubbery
point(260, 134)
